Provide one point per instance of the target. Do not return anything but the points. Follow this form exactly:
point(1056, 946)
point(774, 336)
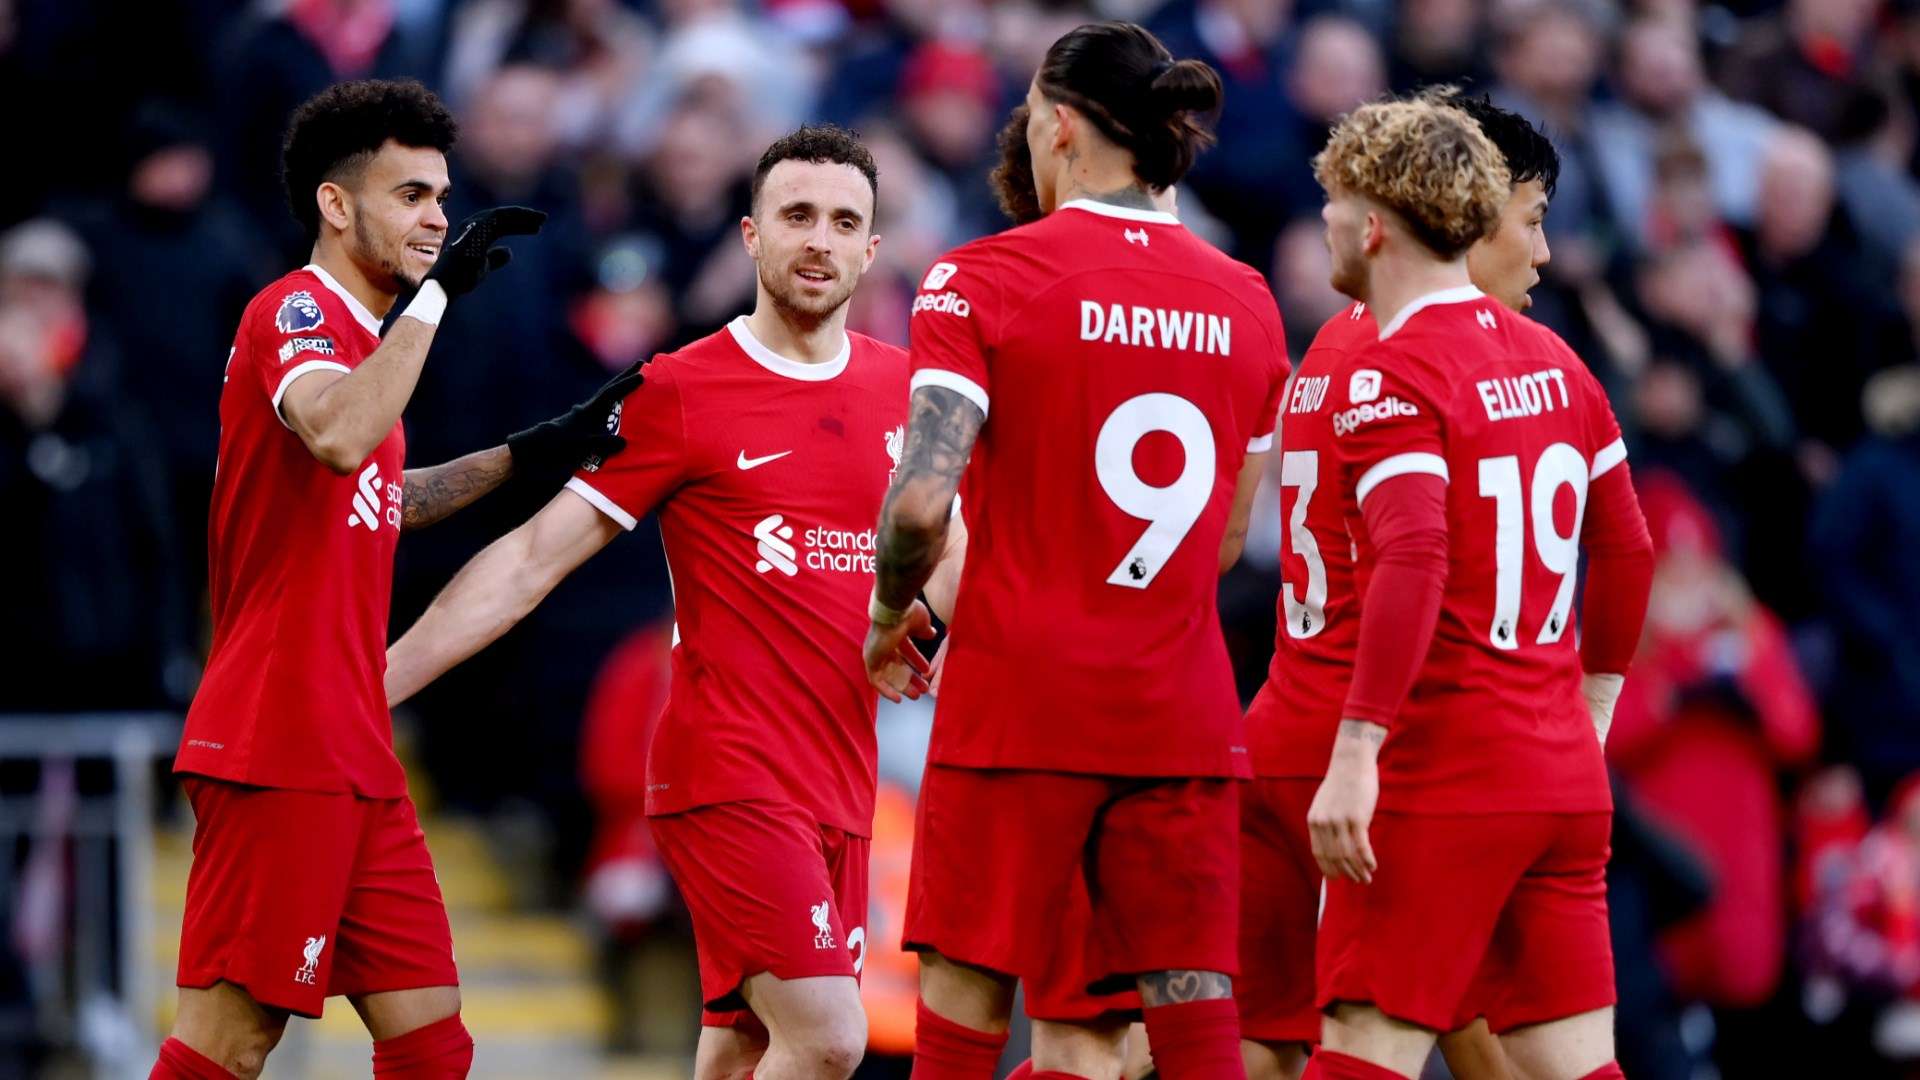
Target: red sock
point(944, 1050)
point(1196, 1040)
point(440, 1051)
point(1609, 1071)
point(1023, 1071)
point(178, 1061)
point(1031, 1075)
point(1332, 1065)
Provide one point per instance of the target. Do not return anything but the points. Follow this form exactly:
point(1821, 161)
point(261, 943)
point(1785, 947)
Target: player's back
point(1518, 427)
point(1126, 367)
point(1293, 719)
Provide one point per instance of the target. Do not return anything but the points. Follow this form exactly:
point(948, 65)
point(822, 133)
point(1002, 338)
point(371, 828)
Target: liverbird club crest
point(896, 446)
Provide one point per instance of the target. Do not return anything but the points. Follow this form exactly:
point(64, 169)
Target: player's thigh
point(1161, 847)
point(818, 1017)
point(267, 890)
point(1058, 990)
point(1473, 1053)
point(1279, 913)
point(1552, 952)
point(1095, 1048)
point(1273, 1060)
point(1564, 1049)
point(995, 854)
point(1362, 1030)
point(1412, 941)
point(756, 881)
point(394, 937)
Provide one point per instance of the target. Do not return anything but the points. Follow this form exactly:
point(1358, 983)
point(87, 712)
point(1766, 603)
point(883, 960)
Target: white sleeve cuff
point(1261, 444)
point(601, 503)
point(297, 370)
point(1398, 465)
point(951, 380)
point(1610, 455)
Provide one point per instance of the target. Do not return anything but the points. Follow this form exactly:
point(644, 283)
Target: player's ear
point(873, 249)
point(1376, 233)
point(750, 236)
point(332, 201)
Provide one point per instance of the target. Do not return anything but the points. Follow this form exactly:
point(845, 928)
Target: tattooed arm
point(433, 493)
point(913, 535)
point(913, 521)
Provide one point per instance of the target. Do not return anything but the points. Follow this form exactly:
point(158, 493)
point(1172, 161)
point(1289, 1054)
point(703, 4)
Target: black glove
point(469, 255)
point(466, 258)
point(583, 433)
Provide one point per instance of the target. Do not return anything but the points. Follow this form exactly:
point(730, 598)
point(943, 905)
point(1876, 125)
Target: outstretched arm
point(434, 492)
point(495, 590)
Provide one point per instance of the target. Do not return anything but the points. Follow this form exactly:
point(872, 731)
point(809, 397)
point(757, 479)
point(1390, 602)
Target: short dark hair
point(337, 131)
point(1132, 89)
point(820, 144)
point(1530, 154)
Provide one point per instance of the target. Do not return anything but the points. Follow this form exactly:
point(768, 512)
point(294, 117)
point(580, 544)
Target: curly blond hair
point(1427, 162)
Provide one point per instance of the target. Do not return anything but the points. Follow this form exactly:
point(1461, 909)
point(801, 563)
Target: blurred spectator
point(1548, 60)
point(595, 49)
point(1864, 930)
point(693, 191)
point(1821, 308)
point(1654, 881)
point(1258, 183)
point(950, 104)
point(1438, 42)
point(1715, 711)
point(1865, 533)
point(917, 219)
point(93, 618)
point(276, 57)
point(1873, 149)
point(1804, 63)
point(713, 41)
point(1664, 93)
point(1302, 269)
point(627, 315)
point(184, 266)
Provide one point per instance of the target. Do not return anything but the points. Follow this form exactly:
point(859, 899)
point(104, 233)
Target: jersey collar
point(360, 313)
point(780, 365)
point(1459, 294)
point(1124, 213)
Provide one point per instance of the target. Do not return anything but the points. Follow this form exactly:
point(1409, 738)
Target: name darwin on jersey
point(1156, 328)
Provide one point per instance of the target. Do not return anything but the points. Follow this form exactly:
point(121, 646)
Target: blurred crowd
point(1736, 252)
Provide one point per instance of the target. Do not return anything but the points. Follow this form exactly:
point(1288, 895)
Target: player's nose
point(435, 217)
point(1542, 255)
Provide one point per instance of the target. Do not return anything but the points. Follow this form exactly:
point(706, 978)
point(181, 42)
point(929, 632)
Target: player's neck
point(1395, 283)
point(334, 261)
point(813, 342)
point(1105, 176)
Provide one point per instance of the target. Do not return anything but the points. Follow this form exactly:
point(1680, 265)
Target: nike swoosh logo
point(746, 462)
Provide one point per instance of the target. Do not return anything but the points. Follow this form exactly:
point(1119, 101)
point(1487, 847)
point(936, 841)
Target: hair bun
point(1187, 86)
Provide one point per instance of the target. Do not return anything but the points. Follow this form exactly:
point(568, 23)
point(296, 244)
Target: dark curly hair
point(821, 144)
point(337, 131)
point(1530, 154)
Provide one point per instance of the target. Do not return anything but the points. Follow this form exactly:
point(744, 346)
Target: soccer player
point(766, 448)
point(1120, 378)
point(310, 875)
point(1292, 721)
point(1473, 457)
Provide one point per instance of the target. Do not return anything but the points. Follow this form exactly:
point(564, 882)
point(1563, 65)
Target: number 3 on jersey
point(1305, 618)
point(1169, 511)
point(1559, 464)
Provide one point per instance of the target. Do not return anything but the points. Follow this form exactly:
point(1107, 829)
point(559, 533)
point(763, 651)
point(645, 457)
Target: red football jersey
point(1126, 369)
point(300, 567)
point(1293, 719)
point(1500, 408)
point(768, 475)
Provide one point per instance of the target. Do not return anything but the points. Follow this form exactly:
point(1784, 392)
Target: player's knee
point(1273, 1060)
point(832, 1049)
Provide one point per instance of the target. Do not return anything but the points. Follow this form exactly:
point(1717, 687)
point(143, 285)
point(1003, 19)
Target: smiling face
point(392, 214)
point(811, 236)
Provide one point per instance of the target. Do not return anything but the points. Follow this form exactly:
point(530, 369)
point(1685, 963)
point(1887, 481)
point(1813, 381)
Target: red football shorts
point(770, 889)
point(1279, 912)
point(1059, 992)
point(1507, 911)
point(298, 896)
point(996, 853)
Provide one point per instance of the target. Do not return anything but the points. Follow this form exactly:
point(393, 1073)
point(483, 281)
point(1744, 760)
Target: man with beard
point(310, 874)
point(766, 449)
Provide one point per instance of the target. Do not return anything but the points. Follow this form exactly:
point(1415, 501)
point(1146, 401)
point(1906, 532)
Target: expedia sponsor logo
point(946, 303)
point(1349, 421)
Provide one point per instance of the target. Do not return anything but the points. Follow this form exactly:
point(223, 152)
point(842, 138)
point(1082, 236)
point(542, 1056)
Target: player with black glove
point(468, 256)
